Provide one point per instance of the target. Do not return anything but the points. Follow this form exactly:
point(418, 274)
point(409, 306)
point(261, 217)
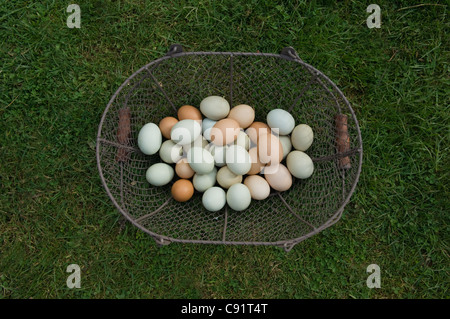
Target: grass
point(55, 83)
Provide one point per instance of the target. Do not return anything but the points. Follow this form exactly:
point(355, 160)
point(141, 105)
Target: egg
point(207, 125)
point(166, 124)
point(159, 174)
point(189, 112)
point(170, 152)
point(243, 114)
point(218, 152)
point(204, 181)
point(238, 197)
point(278, 177)
point(215, 107)
point(200, 160)
point(243, 140)
point(200, 142)
point(300, 164)
point(258, 186)
point(269, 149)
point(302, 137)
point(256, 129)
point(238, 160)
point(182, 190)
point(225, 132)
point(280, 121)
point(149, 139)
point(257, 166)
point(226, 178)
point(214, 199)
point(286, 144)
point(185, 132)
point(183, 169)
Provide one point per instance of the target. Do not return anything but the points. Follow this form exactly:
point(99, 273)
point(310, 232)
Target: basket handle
point(342, 140)
point(123, 133)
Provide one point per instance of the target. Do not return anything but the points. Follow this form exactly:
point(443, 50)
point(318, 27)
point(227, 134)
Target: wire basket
point(264, 81)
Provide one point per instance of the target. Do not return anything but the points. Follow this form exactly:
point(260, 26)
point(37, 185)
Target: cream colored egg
point(300, 164)
point(258, 186)
point(243, 140)
point(170, 152)
point(159, 174)
point(215, 107)
point(302, 137)
point(226, 178)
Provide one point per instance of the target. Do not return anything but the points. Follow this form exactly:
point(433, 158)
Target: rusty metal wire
point(264, 81)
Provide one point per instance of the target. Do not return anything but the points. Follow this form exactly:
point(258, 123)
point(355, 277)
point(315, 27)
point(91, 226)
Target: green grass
point(55, 83)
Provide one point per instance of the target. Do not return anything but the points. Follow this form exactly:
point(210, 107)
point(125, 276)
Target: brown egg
point(189, 112)
point(243, 114)
point(182, 190)
point(278, 177)
point(270, 149)
point(257, 166)
point(166, 124)
point(183, 169)
point(225, 132)
point(256, 129)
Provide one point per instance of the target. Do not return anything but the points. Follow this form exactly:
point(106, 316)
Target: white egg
point(218, 152)
point(300, 164)
point(207, 125)
point(238, 160)
point(302, 137)
point(204, 181)
point(258, 186)
point(214, 199)
point(215, 107)
point(185, 132)
point(281, 121)
point(170, 152)
point(149, 139)
point(285, 144)
point(238, 197)
point(200, 160)
point(243, 140)
point(226, 178)
point(159, 174)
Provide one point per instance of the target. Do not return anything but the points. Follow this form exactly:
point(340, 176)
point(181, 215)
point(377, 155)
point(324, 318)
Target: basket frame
point(288, 53)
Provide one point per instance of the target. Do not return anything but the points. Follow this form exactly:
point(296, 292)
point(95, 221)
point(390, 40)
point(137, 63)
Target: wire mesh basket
point(264, 81)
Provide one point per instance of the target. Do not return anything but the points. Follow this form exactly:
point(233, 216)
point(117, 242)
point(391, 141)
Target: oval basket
point(264, 81)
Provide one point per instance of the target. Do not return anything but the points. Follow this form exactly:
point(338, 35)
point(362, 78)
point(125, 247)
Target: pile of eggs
point(225, 154)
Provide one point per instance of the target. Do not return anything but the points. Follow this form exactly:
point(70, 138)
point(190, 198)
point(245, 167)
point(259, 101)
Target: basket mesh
point(264, 81)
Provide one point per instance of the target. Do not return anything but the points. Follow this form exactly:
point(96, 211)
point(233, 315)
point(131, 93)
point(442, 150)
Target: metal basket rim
point(286, 244)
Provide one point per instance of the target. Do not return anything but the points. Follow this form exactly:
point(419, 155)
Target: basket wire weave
point(264, 81)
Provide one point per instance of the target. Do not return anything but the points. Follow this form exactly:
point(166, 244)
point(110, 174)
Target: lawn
point(55, 83)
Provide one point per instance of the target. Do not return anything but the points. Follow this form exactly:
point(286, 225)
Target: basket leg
point(288, 246)
point(161, 242)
